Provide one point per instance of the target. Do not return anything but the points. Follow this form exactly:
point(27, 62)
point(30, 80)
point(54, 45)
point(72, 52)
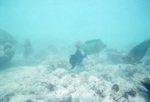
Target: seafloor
point(95, 80)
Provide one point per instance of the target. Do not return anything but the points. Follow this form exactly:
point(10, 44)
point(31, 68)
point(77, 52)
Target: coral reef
point(53, 82)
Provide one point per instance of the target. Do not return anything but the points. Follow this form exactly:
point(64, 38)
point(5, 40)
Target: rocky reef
point(6, 47)
point(6, 37)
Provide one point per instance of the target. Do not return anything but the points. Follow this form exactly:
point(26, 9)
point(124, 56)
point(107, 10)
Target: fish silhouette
point(77, 58)
point(138, 52)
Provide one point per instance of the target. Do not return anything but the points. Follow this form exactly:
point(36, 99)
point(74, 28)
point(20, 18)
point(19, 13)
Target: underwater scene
point(74, 51)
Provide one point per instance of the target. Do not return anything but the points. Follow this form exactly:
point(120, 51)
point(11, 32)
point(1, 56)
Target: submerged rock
point(6, 54)
point(6, 47)
point(6, 37)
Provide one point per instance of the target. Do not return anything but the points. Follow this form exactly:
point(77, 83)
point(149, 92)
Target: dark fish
point(146, 83)
point(138, 52)
point(76, 59)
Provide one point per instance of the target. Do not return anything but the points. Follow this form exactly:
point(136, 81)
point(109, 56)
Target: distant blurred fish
point(27, 48)
point(76, 58)
point(137, 53)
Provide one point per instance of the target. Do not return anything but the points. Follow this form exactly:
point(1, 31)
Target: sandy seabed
point(53, 81)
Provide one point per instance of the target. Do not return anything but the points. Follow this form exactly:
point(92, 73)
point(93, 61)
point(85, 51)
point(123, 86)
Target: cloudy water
point(74, 50)
point(117, 23)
